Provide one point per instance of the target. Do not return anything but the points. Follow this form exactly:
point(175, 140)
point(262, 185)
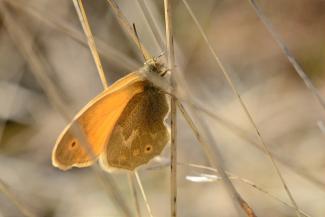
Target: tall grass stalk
point(152, 25)
point(91, 42)
point(173, 111)
point(144, 196)
point(134, 194)
point(243, 180)
point(210, 148)
point(243, 105)
point(127, 27)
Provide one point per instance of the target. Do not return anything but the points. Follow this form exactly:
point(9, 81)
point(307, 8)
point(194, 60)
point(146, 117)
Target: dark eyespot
point(148, 149)
point(73, 144)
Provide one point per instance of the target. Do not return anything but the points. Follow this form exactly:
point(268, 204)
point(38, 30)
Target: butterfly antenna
point(139, 44)
point(161, 54)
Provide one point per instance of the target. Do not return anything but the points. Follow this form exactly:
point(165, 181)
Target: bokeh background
point(289, 118)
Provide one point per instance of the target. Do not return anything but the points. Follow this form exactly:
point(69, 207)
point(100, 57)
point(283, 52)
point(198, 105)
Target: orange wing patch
point(97, 120)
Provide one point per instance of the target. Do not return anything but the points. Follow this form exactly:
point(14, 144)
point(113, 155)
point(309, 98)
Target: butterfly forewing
point(140, 133)
point(97, 121)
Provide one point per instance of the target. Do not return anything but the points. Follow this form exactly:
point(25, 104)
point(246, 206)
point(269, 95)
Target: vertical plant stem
point(198, 107)
point(152, 25)
point(238, 96)
point(91, 42)
point(173, 156)
point(166, 87)
point(134, 194)
point(136, 174)
point(214, 158)
point(210, 146)
point(171, 66)
point(111, 187)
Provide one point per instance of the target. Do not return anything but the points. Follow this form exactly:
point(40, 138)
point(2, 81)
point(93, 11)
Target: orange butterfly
point(124, 125)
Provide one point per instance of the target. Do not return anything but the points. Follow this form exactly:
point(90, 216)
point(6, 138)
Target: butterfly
point(124, 125)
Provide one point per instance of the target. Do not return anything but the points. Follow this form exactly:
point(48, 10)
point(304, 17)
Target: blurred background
point(291, 121)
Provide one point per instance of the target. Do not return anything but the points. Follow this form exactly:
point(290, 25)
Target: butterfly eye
point(148, 149)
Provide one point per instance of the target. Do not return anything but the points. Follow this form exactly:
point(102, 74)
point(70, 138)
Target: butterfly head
point(154, 66)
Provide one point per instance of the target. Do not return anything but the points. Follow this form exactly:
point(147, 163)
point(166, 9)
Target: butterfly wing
point(140, 133)
point(97, 120)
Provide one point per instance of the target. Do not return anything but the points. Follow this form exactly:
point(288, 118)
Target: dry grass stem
point(111, 187)
point(229, 125)
point(233, 128)
point(127, 27)
point(211, 152)
point(173, 111)
point(134, 194)
point(152, 25)
point(161, 83)
point(146, 202)
point(243, 180)
point(235, 91)
point(214, 158)
point(206, 178)
point(164, 86)
point(91, 42)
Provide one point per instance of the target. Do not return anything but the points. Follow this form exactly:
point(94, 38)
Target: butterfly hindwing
point(140, 133)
